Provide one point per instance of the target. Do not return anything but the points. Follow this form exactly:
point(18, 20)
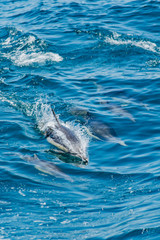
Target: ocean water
point(97, 64)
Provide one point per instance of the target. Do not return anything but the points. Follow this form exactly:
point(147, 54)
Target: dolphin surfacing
point(65, 139)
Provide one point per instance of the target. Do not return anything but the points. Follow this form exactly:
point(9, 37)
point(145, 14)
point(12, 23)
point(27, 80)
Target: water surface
point(102, 57)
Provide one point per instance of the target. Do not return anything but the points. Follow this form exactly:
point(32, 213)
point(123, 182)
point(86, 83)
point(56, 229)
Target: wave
point(143, 233)
point(26, 59)
point(115, 39)
point(26, 49)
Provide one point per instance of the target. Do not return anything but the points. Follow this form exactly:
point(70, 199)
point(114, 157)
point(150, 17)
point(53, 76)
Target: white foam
point(7, 42)
point(4, 99)
point(27, 50)
point(31, 39)
point(146, 45)
point(22, 58)
point(153, 63)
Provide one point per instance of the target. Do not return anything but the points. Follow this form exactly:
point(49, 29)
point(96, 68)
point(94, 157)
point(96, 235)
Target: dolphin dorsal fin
point(55, 117)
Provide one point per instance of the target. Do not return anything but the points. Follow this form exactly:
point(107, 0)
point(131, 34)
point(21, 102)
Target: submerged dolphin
point(65, 139)
point(101, 131)
point(96, 128)
point(118, 110)
point(47, 167)
point(79, 111)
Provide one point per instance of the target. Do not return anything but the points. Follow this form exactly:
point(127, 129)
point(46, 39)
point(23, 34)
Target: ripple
point(144, 233)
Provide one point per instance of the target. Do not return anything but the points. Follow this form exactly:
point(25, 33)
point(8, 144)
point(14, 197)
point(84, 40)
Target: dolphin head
point(83, 157)
point(85, 160)
point(79, 157)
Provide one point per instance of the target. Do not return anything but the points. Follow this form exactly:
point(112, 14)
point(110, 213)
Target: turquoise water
point(96, 63)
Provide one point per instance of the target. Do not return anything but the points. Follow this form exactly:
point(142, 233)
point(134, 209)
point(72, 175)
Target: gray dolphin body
point(65, 139)
point(101, 131)
point(47, 167)
point(119, 111)
point(96, 128)
point(79, 111)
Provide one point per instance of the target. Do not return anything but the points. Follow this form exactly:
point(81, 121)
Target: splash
point(116, 39)
point(41, 113)
point(7, 100)
point(153, 63)
point(44, 118)
point(24, 107)
point(23, 58)
point(27, 50)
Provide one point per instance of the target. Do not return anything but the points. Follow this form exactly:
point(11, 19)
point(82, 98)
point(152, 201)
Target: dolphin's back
point(69, 134)
point(102, 130)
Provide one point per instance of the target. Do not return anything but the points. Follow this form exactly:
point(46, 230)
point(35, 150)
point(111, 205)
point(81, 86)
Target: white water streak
point(27, 51)
point(146, 45)
point(22, 58)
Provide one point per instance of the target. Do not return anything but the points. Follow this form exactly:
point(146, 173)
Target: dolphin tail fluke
point(117, 140)
point(133, 119)
point(122, 143)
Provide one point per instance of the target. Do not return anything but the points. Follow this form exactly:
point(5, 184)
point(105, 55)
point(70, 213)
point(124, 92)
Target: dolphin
point(101, 131)
point(96, 128)
point(65, 139)
point(79, 111)
point(118, 110)
point(46, 167)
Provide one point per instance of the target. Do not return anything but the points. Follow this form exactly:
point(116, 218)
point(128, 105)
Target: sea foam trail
point(26, 49)
point(116, 39)
point(23, 58)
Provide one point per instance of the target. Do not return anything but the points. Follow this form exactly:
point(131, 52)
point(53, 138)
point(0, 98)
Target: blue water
point(100, 57)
